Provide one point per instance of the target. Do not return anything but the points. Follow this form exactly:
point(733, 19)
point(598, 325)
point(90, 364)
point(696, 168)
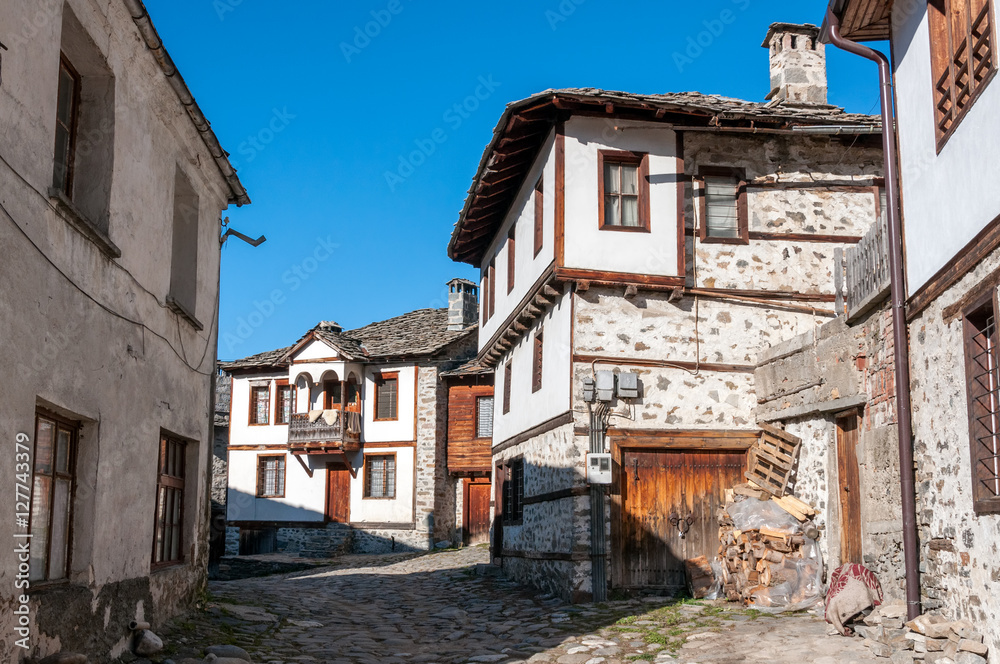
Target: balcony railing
point(868, 270)
point(320, 436)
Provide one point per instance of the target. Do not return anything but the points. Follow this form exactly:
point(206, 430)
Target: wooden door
point(338, 494)
point(850, 489)
point(656, 485)
point(477, 512)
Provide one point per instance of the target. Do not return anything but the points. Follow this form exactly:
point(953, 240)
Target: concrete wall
point(128, 376)
point(957, 184)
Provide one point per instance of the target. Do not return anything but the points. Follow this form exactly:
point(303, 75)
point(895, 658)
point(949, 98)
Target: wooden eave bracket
point(305, 467)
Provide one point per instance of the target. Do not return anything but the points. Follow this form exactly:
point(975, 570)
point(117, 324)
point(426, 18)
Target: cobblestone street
point(436, 608)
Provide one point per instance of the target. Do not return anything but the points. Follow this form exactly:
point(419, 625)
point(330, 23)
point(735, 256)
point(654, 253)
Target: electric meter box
point(605, 385)
point(599, 468)
point(628, 385)
point(588, 389)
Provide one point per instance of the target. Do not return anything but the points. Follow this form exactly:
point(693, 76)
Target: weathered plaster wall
point(126, 383)
point(960, 551)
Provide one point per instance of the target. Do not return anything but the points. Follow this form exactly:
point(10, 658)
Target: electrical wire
point(100, 304)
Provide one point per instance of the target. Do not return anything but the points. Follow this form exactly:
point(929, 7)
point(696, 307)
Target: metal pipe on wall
point(598, 547)
point(911, 553)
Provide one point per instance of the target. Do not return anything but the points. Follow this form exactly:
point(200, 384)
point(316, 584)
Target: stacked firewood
point(754, 560)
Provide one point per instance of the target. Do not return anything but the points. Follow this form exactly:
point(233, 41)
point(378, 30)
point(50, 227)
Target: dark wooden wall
point(466, 453)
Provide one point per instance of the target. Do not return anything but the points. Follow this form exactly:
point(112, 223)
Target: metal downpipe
point(598, 548)
point(911, 553)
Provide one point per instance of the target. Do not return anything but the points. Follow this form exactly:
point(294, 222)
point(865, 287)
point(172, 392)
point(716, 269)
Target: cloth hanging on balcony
point(331, 416)
point(314, 415)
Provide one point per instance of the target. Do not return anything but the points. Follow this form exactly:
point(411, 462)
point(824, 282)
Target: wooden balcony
point(320, 437)
point(868, 270)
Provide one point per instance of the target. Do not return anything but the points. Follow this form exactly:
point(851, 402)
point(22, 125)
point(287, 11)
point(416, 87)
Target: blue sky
point(323, 105)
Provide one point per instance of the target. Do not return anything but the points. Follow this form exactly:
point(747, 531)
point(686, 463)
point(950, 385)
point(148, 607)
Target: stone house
point(113, 184)
point(946, 111)
point(657, 245)
point(338, 441)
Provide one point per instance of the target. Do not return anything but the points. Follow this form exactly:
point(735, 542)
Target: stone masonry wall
point(960, 572)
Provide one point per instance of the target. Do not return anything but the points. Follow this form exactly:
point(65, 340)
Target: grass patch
point(626, 620)
point(644, 657)
point(753, 614)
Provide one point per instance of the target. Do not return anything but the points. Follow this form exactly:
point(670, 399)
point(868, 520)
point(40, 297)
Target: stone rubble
point(451, 608)
point(927, 639)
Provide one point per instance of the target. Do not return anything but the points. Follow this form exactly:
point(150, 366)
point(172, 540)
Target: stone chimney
point(463, 304)
point(798, 63)
point(330, 326)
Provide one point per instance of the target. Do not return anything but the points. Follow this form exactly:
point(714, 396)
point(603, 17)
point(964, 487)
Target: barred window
point(284, 404)
point(51, 498)
point(962, 60)
point(260, 401)
point(983, 377)
point(513, 492)
point(380, 476)
point(271, 476)
point(168, 542)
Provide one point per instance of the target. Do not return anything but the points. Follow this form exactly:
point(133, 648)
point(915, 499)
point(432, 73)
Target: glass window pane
point(65, 102)
point(612, 175)
point(630, 210)
point(390, 478)
point(721, 199)
point(60, 530)
point(41, 508)
point(43, 445)
point(64, 438)
point(612, 211)
point(161, 506)
point(630, 179)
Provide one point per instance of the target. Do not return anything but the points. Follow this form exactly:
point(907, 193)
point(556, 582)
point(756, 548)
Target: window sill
point(386, 419)
point(258, 424)
point(378, 498)
point(166, 566)
point(87, 228)
point(626, 229)
point(724, 240)
point(183, 312)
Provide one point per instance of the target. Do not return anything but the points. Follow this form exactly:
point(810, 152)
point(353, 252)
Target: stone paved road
point(434, 608)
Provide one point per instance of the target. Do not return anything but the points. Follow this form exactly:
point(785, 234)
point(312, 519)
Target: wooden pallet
point(772, 459)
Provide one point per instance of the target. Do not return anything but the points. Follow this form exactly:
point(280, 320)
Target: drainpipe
point(598, 547)
point(897, 296)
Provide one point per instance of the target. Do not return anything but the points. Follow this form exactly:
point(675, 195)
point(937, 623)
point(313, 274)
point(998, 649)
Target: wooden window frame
point(982, 503)
point(73, 427)
point(165, 481)
point(263, 458)
point(742, 210)
point(536, 361)
point(493, 286)
point(485, 292)
point(512, 492)
point(73, 130)
point(379, 381)
point(940, 36)
point(476, 424)
point(507, 375)
point(625, 157)
point(366, 490)
point(511, 258)
point(539, 201)
point(327, 403)
point(253, 406)
point(279, 387)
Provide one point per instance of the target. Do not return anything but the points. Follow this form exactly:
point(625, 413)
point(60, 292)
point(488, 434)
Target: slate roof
point(525, 125)
point(420, 333)
point(471, 368)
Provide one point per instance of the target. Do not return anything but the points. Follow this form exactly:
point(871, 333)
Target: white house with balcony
point(338, 441)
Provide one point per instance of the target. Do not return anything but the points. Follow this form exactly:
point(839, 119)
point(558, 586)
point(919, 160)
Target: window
point(284, 403)
point(387, 397)
point(331, 394)
point(624, 190)
point(260, 401)
point(983, 379)
point(536, 363)
point(510, 260)
point(183, 293)
point(51, 497)
point(506, 388)
point(492, 282)
point(380, 476)
point(962, 60)
point(513, 492)
point(169, 502)
point(484, 417)
point(353, 394)
point(271, 476)
point(723, 206)
point(539, 215)
point(67, 121)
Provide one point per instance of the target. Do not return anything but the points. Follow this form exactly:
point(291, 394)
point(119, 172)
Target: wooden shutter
point(536, 363)
point(510, 260)
point(539, 215)
point(506, 388)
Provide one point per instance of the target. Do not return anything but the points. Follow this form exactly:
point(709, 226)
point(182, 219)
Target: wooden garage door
point(656, 485)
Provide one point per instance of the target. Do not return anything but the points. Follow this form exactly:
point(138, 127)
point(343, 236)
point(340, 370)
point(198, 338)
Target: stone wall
point(959, 550)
